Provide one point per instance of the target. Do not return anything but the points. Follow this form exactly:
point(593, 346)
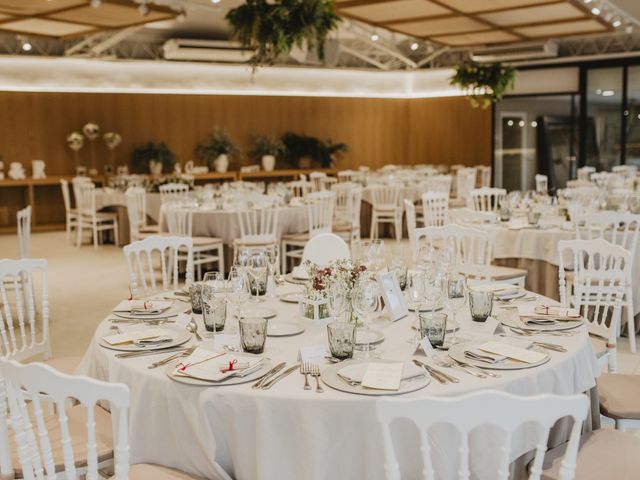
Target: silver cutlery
point(315, 372)
point(304, 370)
point(231, 348)
point(184, 353)
point(432, 372)
point(192, 327)
point(275, 380)
point(355, 383)
point(449, 363)
point(144, 343)
point(178, 299)
point(516, 300)
point(269, 375)
point(149, 352)
point(478, 369)
point(531, 333)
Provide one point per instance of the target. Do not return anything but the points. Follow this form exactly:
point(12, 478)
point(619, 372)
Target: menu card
point(383, 376)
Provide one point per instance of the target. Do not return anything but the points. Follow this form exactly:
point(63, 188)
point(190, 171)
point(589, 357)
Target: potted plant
point(483, 84)
point(266, 149)
point(329, 151)
point(303, 151)
point(216, 150)
point(270, 29)
point(156, 157)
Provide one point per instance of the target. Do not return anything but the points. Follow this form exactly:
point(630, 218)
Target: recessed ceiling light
point(534, 124)
point(616, 23)
point(608, 93)
point(215, 1)
point(375, 37)
point(510, 123)
point(414, 46)
point(26, 46)
point(587, 1)
point(595, 11)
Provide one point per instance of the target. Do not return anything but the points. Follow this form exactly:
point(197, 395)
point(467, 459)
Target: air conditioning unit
point(205, 51)
point(515, 52)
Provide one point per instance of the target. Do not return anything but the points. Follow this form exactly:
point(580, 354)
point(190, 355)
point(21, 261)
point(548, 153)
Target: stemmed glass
point(257, 270)
point(237, 289)
point(272, 259)
point(415, 289)
point(365, 303)
point(456, 296)
point(336, 300)
point(213, 301)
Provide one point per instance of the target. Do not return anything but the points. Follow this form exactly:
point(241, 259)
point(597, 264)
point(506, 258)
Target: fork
point(170, 358)
point(315, 372)
point(305, 370)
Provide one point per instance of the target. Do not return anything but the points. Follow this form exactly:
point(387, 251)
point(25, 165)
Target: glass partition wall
point(553, 134)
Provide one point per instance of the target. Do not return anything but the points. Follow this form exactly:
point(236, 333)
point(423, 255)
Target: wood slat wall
point(377, 131)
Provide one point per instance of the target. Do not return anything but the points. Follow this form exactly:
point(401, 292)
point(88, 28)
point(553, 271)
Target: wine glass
point(257, 267)
point(237, 289)
point(456, 296)
point(336, 300)
point(213, 301)
point(272, 260)
point(433, 290)
point(415, 289)
point(365, 302)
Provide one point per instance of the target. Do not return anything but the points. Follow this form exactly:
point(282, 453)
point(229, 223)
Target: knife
point(435, 375)
point(446, 376)
point(273, 381)
point(144, 353)
point(475, 367)
point(269, 374)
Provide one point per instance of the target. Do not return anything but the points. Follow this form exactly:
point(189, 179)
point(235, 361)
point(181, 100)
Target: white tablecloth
point(287, 433)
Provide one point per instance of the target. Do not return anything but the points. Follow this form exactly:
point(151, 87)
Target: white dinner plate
point(284, 329)
point(179, 335)
point(457, 353)
point(513, 320)
point(510, 296)
point(330, 377)
point(256, 312)
point(428, 308)
point(375, 336)
point(266, 366)
point(296, 281)
point(173, 311)
point(291, 297)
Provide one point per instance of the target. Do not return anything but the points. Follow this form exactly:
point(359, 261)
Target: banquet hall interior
point(319, 239)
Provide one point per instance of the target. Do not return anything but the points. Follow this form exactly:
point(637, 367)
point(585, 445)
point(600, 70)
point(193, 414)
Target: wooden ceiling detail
point(477, 22)
point(69, 18)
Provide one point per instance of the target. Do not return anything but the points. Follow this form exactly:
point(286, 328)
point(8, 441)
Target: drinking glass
point(480, 305)
point(214, 305)
point(253, 334)
point(195, 294)
point(533, 216)
point(456, 295)
point(365, 302)
point(433, 290)
point(237, 289)
point(433, 325)
point(415, 289)
point(336, 300)
point(272, 260)
point(257, 268)
point(342, 336)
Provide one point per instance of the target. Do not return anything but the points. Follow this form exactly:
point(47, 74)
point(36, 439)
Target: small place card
point(426, 346)
point(222, 339)
point(312, 353)
point(383, 376)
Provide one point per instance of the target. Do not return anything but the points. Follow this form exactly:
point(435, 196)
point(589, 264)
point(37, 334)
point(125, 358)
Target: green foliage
point(262, 145)
point(217, 143)
point(159, 152)
point(483, 84)
point(320, 152)
point(272, 28)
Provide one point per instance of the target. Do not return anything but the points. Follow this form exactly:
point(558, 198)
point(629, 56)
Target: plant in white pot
point(217, 150)
point(153, 157)
point(266, 150)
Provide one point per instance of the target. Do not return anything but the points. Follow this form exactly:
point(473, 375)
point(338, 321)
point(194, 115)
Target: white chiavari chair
point(347, 211)
point(386, 208)
point(620, 229)
point(317, 180)
point(486, 199)
point(325, 248)
point(542, 183)
point(89, 218)
point(258, 228)
point(584, 173)
point(503, 414)
point(320, 217)
point(134, 213)
point(474, 253)
point(483, 175)
point(435, 206)
point(141, 203)
point(596, 289)
point(170, 192)
point(627, 170)
point(299, 188)
point(24, 313)
point(465, 182)
point(346, 176)
point(466, 215)
point(206, 250)
point(142, 265)
point(437, 183)
point(80, 440)
point(328, 182)
point(23, 218)
point(410, 213)
point(71, 214)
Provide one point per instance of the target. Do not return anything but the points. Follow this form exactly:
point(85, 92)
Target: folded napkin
point(558, 312)
point(496, 352)
point(215, 367)
point(300, 273)
point(142, 307)
point(482, 356)
point(498, 288)
point(546, 315)
point(356, 373)
point(138, 335)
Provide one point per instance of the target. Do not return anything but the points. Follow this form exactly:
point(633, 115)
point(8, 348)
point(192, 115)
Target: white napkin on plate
point(130, 336)
point(546, 315)
point(300, 273)
point(498, 288)
point(142, 307)
point(214, 367)
point(355, 373)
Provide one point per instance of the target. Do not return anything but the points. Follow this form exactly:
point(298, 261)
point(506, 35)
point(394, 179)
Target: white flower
point(91, 131)
point(75, 140)
point(112, 140)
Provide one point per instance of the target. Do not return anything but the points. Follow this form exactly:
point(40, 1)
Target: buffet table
point(290, 433)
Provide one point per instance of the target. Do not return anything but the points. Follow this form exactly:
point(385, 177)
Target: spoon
point(231, 348)
point(443, 362)
point(193, 328)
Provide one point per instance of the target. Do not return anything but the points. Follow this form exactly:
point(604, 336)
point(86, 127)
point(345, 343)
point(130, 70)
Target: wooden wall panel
point(378, 131)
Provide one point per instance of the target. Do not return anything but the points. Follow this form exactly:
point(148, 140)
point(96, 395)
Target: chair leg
point(68, 227)
point(373, 225)
point(283, 254)
point(79, 233)
point(95, 233)
point(631, 324)
point(116, 238)
point(221, 258)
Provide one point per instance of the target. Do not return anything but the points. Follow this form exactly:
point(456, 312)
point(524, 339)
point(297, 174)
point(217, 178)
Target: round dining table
point(287, 432)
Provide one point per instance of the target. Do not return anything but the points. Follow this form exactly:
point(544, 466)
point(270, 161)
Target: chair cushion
point(77, 421)
point(341, 227)
point(604, 453)
point(620, 396)
point(296, 237)
point(199, 241)
point(150, 229)
point(599, 345)
point(66, 365)
point(146, 471)
point(506, 273)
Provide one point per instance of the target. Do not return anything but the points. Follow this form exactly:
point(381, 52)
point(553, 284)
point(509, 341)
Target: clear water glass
point(365, 302)
point(342, 336)
point(253, 334)
point(480, 305)
point(433, 325)
point(195, 294)
point(214, 305)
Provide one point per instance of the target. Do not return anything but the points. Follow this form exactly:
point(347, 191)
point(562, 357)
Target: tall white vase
point(221, 164)
point(268, 163)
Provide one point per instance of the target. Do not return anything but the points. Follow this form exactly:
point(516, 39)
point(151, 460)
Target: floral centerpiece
point(341, 274)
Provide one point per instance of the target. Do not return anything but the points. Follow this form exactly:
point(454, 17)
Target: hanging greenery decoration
point(272, 28)
point(483, 84)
